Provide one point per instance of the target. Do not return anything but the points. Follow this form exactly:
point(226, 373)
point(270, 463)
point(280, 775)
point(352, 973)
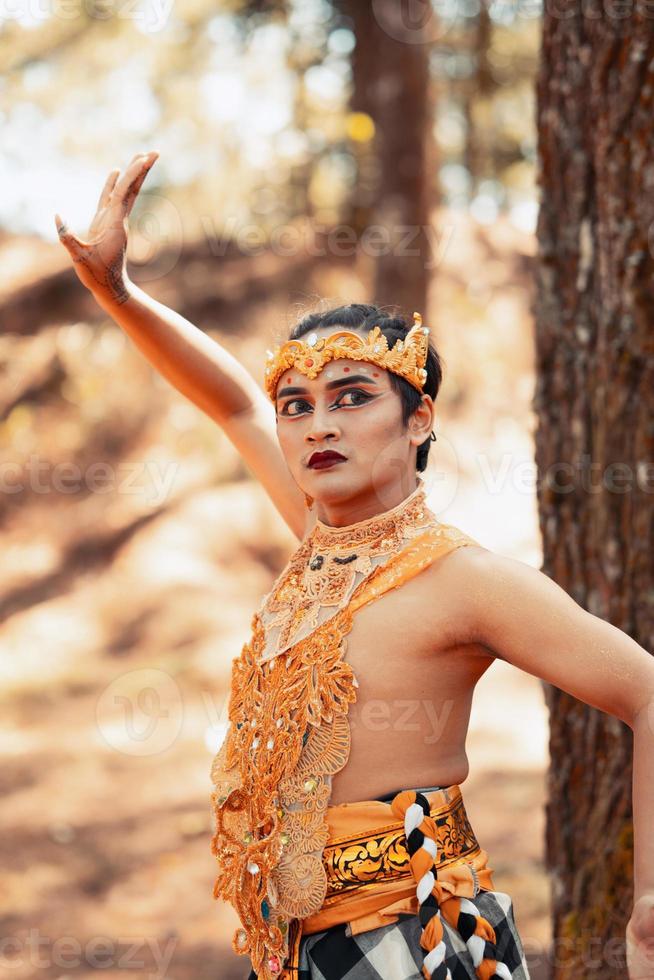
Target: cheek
point(289, 439)
point(380, 426)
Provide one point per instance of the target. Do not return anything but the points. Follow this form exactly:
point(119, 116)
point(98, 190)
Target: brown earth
point(122, 608)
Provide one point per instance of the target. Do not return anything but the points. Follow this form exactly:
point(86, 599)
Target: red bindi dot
point(375, 374)
point(289, 380)
point(346, 369)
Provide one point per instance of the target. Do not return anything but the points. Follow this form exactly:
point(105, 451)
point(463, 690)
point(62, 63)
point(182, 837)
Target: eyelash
point(350, 391)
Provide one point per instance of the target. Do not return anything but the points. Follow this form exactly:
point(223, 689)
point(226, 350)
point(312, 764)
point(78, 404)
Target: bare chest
point(416, 675)
point(405, 630)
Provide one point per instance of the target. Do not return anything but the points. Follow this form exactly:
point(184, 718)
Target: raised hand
point(100, 259)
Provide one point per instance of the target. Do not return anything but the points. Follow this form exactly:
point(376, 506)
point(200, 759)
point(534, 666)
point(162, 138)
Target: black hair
point(364, 317)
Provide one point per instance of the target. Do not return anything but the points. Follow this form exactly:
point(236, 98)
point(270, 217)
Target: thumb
point(66, 237)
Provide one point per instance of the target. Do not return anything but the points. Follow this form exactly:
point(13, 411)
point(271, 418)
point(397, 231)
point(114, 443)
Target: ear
point(421, 421)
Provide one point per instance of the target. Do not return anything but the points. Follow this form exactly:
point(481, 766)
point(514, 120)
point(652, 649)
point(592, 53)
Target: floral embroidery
point(332, 561)
point(289, 733)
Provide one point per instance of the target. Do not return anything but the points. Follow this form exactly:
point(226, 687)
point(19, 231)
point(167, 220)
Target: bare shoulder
point(522, 616)
point(475, 563)
point(497, 597)
point(472, 582)
point(453, 580)
point(480, 576)
point(463, 561)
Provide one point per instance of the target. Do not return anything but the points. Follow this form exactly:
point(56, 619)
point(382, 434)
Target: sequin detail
point(331, 562)
point(289, 734)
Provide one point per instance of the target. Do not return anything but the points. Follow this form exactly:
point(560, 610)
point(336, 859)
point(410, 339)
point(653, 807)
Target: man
point(487, 606)
point(379, 599)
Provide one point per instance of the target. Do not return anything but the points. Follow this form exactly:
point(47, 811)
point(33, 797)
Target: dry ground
point(122, 609)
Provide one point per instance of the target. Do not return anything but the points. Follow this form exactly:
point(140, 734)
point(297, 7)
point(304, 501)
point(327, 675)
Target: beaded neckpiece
point(291, 688)
point(323, 573)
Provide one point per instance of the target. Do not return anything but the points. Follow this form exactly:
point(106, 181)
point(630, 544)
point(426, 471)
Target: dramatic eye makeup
point(349, 382)
point(337, 383)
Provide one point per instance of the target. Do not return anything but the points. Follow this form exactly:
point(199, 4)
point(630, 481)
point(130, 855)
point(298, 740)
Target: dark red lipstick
point(320, 461)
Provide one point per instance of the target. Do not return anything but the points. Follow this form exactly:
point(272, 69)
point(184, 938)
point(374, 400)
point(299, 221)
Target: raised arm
point(195, 364)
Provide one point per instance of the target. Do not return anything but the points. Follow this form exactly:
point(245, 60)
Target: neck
point(369, 504)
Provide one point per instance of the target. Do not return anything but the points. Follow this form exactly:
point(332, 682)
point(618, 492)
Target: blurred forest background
point(135, 543)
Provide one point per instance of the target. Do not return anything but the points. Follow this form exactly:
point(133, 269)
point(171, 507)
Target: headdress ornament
point(407, 357)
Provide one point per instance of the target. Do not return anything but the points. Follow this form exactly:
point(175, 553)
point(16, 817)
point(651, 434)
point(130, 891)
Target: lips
point(322, 460)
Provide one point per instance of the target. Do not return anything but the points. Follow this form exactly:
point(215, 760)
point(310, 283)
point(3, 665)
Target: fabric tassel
point(436, 903)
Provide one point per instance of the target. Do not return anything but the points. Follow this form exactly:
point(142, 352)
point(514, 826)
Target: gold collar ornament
point(289, 733)
point(330, 563)
point(407, 357)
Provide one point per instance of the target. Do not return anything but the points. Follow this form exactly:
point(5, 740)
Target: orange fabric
point(414, 558)
point(382, 905)
point(378, 903)
point(371, 904)
point(272, 778)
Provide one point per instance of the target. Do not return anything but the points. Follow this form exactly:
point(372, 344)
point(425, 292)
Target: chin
point(330, 486)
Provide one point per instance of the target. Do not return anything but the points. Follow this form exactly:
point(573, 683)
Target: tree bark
point(477, 153)
point(396, 180)
point(594, 314)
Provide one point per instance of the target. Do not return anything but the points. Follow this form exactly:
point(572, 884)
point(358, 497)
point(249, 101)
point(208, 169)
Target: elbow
point(643, 715)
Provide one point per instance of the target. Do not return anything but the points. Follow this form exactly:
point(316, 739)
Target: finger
point(67, 238)
point(122, 185)
point(137, 183)
point(109, 185)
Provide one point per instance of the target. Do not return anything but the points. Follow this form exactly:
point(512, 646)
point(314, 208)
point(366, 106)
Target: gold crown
point(407, 357)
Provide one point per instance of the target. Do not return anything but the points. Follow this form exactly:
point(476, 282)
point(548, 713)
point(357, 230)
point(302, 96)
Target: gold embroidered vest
point(291, 688)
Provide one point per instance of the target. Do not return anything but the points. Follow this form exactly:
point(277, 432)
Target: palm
point(100, 257)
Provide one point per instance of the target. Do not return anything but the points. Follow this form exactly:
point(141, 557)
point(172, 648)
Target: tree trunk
point(594, 312)
point(477, 156)
point(397, 176)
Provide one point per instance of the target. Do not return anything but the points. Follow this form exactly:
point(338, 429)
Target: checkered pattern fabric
point(393, 952)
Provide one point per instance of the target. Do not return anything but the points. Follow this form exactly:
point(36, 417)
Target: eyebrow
point(338, 383)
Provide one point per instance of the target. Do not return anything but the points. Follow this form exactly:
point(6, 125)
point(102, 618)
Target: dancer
point(381, 607)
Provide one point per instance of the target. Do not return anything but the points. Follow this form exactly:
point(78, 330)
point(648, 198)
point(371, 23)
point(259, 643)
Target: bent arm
point(528, 620)
point(215, 381)
point(524, 617)
point(194, 363)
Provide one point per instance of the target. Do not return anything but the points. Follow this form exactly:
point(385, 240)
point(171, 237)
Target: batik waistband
point(367, 863)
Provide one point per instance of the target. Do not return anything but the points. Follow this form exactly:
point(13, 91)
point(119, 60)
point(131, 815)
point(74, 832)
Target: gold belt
point(369, 879)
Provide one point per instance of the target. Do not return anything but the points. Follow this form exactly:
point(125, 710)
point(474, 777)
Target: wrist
point(643, 894)
point(115, 293)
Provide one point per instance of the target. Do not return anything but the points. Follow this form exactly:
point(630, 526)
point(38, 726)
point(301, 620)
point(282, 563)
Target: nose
point(322, 426)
